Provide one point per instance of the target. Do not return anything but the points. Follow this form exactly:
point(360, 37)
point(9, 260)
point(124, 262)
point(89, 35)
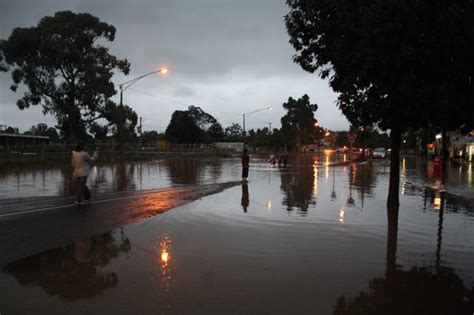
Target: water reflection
point(350, 200)
point(419, 290)
point(452, 203)
point(164, 257)
point(333, 192)
point(364, 179)
point(123, 176)
point(244, 201)
point(298, 186)
point(190, 171)
point(73, 272)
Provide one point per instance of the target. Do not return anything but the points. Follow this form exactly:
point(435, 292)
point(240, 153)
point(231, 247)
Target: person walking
point(245, 165)
point(80, 162)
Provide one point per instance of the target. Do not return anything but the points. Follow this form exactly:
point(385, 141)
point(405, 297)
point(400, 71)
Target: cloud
point(227, 56)
point(184, 91)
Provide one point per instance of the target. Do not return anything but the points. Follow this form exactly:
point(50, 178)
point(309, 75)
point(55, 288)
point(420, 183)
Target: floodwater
point(308, 238)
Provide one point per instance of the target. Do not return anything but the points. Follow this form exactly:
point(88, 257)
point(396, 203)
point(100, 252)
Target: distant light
point(163, 70)
point(438, 136)
point(404, 141)
point(437, 203)
point(327, 134)
point(269, 108)
point(164, 256)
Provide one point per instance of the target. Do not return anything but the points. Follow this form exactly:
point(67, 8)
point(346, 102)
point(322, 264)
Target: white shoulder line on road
point(9, 214)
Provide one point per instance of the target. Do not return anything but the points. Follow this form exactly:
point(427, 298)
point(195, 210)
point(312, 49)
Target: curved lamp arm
point(125, 85)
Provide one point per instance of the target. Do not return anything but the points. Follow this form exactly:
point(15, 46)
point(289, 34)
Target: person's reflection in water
point(244, 202)
point(72, 272)
point(419, 290)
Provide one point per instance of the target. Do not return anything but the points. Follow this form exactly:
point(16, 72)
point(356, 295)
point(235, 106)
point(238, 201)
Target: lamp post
point(125, 85)
point(244, 115)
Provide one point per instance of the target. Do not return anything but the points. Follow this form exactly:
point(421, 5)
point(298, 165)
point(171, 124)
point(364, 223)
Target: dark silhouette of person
point(244, 202)
point(245, 165)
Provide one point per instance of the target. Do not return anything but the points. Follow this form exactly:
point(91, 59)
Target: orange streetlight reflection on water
point(164, 257)
point(164, 251)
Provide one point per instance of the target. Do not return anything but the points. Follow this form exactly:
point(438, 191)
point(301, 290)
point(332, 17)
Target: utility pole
point(270, 128)
point(140, 132)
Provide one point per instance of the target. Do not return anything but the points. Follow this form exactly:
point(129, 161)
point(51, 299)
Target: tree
point(382, 56)
point(100, 132)
point(52, 133)
point(42, 129)
point(151, 137)
point(193, 126)
point(182, 128)
point(122, 121)
point(64, 68)
point(215, 132)
point(233, 132)
point(11, 130)
point(299, 120)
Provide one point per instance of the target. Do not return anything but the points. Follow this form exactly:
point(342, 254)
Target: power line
point(178, 103)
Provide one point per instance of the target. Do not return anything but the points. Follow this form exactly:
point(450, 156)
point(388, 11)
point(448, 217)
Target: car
point(379, 153)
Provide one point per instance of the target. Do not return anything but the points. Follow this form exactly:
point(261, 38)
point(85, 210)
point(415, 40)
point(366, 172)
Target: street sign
point(351, 137)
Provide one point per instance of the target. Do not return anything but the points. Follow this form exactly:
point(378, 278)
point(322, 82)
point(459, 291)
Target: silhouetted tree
point(122, 121)
point(299, 119)
point(193, 126)
point(183, 129)
point(100, 132)
point(233, 132)
point(152, 137)
point(386, 58)
point(64, 68)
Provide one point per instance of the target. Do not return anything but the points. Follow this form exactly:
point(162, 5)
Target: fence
point(58, 152)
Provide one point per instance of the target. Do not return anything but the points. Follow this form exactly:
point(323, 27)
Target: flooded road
point(305, 238)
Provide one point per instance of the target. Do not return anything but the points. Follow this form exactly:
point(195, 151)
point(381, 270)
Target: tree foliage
point(233, 132)
point(122, 121)
point(65, 68)
point(396, 64)
point(42, 129)
point(193, 126)
point(299, 120)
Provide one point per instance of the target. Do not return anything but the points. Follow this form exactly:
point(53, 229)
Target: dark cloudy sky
point(226, 56)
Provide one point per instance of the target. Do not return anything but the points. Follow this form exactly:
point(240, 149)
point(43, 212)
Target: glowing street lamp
point(125, 85)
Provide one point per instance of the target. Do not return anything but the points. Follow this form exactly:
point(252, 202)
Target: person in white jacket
point(80, 161)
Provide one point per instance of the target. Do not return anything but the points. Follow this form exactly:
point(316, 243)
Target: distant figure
point(80, 161)
point(245, 165)
point(244, 202)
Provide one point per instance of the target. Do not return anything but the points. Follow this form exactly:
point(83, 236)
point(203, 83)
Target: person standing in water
point(80, 162)
point(245, 165)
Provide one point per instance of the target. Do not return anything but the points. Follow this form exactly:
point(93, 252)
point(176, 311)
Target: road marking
point(8, 214)
point(136, 195)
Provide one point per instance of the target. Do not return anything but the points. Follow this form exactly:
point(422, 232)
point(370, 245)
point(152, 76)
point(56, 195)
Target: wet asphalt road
point(32, 225)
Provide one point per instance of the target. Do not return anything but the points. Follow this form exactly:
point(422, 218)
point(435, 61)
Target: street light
point(125, 85)
point(244, 115)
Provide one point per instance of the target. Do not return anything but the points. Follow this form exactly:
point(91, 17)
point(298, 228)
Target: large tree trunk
point(392, 236)
point(444, 156)
point(394, 183)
